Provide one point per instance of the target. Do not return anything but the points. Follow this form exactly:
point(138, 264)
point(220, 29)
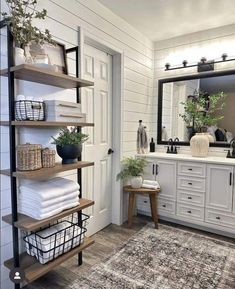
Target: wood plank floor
point(106, 241)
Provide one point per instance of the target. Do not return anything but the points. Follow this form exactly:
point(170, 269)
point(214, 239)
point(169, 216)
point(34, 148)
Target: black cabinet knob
point(190, 169)
point(110, 151)
point(190, 198)
point(190, 212)
point(218, 218)
point(164, 206)
point(190, 184)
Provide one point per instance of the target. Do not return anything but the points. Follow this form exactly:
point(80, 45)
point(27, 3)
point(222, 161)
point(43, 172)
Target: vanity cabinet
point(219, 189)
point(197, 193)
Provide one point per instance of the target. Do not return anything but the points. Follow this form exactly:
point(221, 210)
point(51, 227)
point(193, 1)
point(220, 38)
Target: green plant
point(132, 167)
point(20, 17)
point(202, 111)
point(71, 137)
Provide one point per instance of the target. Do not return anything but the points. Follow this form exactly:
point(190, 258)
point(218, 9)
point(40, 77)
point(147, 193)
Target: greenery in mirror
point(20, 18)
point(69, 137)
point(202, 110)
point(132, 167)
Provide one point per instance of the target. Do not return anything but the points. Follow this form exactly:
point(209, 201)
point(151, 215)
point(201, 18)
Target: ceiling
point(163, 19)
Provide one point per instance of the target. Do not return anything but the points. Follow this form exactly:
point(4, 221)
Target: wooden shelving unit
point(47, 172)
point(32, 268)
point(28, 224)
point(43, 76)
point(44, 124)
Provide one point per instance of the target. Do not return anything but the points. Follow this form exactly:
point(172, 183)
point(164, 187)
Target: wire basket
point(58, 238)
point(29, 110)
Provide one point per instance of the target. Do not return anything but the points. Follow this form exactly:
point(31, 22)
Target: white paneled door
point(97, 104)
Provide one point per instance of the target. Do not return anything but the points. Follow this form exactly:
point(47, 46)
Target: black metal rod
point(12, 144)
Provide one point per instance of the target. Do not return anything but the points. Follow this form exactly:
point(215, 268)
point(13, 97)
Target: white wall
point(63, 21)
point(192, 47)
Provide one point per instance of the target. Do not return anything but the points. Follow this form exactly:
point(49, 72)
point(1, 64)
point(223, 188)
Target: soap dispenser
point(152, 146)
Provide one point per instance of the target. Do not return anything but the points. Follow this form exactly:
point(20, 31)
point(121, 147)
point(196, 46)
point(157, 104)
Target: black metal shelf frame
point(12, 142)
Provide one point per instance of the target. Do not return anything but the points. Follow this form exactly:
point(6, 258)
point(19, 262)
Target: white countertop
point(185, 157)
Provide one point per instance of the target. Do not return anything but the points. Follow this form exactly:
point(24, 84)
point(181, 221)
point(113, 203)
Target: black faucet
point(229, 154)
point(170, 148)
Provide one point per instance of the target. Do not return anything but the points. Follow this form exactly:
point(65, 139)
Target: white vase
point(19, 56)
point(136, 182)
point(199, 145)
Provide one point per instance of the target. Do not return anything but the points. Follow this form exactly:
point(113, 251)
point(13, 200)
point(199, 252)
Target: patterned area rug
point(168, 258)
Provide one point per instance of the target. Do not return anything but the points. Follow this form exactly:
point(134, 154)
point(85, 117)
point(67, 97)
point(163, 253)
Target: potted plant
point(201, 111)
point(69, 144)
point(133, 169)
point(20, 17)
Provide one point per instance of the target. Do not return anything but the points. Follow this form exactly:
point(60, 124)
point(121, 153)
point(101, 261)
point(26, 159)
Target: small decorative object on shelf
point(58, 238)
point(48, 158)
point(29, 110)
point(152, 146)
point(142, 139)
point(69, 144)
point(20, 20)
point(133, 169)
point(29, 157)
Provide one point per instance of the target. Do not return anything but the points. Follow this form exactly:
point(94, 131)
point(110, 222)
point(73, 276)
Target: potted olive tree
point(133, 169)
point(19, 18)
point(69, 144)
point(200, 112)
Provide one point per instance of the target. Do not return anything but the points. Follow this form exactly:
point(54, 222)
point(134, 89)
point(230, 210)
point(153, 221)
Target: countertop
point(186, 157)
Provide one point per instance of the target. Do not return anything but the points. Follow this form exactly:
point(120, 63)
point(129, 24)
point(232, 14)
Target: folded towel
point(27, 199)
point(150, 187)
point(39, 215)
point(47, 190)
point(152, 183)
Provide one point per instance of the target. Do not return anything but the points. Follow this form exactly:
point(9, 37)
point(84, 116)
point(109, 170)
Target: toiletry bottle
point(152, 146)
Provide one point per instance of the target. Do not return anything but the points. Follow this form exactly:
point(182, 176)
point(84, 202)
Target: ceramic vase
point(199, 145)
point(136, 182)
point(19, 56)
point(69, 153)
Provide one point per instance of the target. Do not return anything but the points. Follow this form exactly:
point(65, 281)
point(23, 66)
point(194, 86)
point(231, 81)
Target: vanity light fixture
point(203, 65)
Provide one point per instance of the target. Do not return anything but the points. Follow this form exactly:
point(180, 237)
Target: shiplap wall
point(63, 21)
point(192, 47)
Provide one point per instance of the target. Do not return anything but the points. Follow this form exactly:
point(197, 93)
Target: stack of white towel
point(54, 241)
point(151, 184)
point(43, 199)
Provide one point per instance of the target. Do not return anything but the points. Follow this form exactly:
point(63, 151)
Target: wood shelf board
point(33, 269)
point(29, 224)
point(45, 123)
point(45, 172)
point(44, 76)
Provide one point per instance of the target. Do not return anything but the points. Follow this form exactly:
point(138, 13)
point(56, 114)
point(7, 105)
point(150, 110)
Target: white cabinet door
point(149, 171)
point(165, 172)
point(219, 188)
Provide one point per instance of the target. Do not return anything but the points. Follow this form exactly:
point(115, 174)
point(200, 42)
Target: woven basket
point(29, 157)
point(48, 158)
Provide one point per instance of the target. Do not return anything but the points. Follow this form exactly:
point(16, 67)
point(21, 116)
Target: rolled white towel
point(151, 183)
point(150, 187)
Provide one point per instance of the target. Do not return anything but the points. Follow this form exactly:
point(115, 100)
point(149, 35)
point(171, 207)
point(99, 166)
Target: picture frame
point(48, 56)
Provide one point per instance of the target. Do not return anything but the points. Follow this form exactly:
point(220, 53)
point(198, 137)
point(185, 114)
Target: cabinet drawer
point(192, 184)
point(191, 198)
point(143, 200)
point(166, 206)
point(220, 218)
point(192, 169)
point(189, 211)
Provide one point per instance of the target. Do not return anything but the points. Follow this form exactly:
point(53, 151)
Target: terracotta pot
point(19, 56)
point(136, 182)
point(199, 145)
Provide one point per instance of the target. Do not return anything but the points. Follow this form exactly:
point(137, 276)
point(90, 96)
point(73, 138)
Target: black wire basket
point(29, 110)
point(58, 238)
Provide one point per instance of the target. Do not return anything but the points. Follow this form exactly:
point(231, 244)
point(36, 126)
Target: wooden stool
point(153, 202)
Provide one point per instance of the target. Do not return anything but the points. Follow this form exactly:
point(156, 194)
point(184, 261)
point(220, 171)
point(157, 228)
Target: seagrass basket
point(29, 157)
point(48, 158)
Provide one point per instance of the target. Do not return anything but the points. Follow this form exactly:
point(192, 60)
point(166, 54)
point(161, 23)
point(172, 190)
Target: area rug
point(168, 258)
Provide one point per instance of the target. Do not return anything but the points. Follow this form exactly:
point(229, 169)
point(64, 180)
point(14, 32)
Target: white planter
point(136, 182)
point(19, 56)
point(199, 145)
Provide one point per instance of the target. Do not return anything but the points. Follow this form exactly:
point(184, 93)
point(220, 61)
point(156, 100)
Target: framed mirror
point(173, 93)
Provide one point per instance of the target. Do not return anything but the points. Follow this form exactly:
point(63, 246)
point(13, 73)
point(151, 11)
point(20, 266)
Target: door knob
point(110, 151)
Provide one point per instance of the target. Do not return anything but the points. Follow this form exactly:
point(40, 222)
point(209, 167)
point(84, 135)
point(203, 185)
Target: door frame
point(86, 37)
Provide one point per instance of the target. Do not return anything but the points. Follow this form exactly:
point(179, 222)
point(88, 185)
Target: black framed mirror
point(172, 92)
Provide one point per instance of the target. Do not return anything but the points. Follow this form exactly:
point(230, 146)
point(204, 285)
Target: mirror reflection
point(199, 105)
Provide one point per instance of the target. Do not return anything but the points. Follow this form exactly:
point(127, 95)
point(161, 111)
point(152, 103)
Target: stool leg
point(153, 204)
point(131, 208)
